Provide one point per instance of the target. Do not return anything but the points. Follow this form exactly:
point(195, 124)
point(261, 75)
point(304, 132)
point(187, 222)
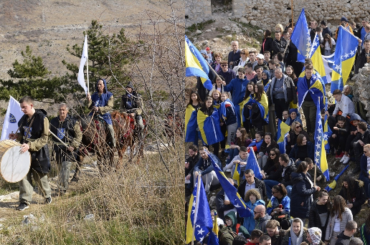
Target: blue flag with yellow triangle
point(253, 164)
point(196, 65)
point(236, 173)
point(230, 190)
point(344, 58)
point(317, 60)
point(199, 215)
point(281, 135)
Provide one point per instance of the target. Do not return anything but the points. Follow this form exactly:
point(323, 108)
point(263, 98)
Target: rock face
point(271, 12)
point(362, 88)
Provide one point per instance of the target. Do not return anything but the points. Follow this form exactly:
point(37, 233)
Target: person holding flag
point(199, 222)
point(101, 103)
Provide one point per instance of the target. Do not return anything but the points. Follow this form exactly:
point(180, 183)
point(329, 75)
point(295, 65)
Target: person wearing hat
point(205, 55)
point(344, 23)
point(209, 55)
point(314, 236)
point(261, 62)
point(325, 29)
point(131, 103)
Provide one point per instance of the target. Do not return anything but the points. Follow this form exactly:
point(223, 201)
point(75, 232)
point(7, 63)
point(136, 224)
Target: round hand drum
point(14, 165)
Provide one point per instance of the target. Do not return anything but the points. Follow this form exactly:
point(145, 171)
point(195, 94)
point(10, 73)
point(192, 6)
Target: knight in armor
point(33, 135)
point(68, 130)
point(101, 103)
point(131, 103)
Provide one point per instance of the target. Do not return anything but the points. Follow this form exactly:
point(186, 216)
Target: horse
point(129, 135)
point(96, 138)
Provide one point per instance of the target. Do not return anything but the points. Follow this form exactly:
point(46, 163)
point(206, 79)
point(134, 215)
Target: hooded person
point(231, 229)
point(101, 103)
point(314, 236)
point(294, 115)
point(131, 103)
point(266, 79)
point(297, 233)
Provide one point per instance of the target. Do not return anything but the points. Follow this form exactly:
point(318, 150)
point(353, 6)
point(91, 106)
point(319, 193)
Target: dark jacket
point(290, 92)
point(342, 239)
point(361, 60)
point(226, 233)
point(328, 31)
point(363, 137)
point(192, 162)
point(278, 239)
point(364, 234)
point(266, 149)
point(228, 76)
point(39, 159)
point(260, 185)
point(293, 139)
point(267, 46)
point(205, 166)
point(264, 66)
point(310, 151)
point(261, 223)
point(220, 205)
point(363, 166)
point(278, 175)
point(233, 57)
point(357, 198)
point(301, 193)
point(130, 102)
point(314, 219)
point(279, 46)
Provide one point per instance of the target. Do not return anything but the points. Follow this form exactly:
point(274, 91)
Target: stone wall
point(362, 88)
point(197, 11)
point(267, 13)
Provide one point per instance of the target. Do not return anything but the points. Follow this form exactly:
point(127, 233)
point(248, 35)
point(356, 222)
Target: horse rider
point(132, 104)
point(68, 130)
point(101, 103)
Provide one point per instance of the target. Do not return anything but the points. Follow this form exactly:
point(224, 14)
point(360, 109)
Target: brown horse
point(174, 127)
point(129, 135)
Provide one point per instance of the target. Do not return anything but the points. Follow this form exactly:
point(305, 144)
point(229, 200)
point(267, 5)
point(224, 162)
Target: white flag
point(81, 78)
point(12, 117)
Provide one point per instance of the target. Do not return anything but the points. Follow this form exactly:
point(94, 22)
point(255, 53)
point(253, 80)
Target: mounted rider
point(101, 102)
point(68, 130)
point(132, 104)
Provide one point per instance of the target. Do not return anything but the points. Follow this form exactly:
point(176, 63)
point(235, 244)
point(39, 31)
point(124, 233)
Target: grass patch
point(199, 26)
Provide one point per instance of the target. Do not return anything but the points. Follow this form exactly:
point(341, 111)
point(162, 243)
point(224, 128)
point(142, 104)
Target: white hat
point(260, 56)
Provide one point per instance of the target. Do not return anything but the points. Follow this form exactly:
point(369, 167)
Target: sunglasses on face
point(298, 126)
point(272, 154)
point(224, 65)
point(365, 151)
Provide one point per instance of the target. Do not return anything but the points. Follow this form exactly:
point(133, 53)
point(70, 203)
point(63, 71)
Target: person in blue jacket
point(101, 103)
point(302, 149)
point(301, 197)
point(204, 168)
point(237, 87)
point(279, 205)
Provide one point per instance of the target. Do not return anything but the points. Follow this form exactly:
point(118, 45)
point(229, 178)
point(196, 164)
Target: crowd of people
point(253, 91)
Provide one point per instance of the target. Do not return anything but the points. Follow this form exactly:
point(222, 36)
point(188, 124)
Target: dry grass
point(142, 204)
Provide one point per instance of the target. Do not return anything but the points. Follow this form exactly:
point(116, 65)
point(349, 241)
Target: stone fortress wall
point(267, 13)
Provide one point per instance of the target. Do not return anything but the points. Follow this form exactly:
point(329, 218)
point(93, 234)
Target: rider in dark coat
point(131, 103)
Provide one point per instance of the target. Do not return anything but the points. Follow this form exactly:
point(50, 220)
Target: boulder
point(198, 32)
point(253, 22)
point(243, 20)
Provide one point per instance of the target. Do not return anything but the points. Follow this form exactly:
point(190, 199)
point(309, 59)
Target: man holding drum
point(33, 135)
point(68, 130)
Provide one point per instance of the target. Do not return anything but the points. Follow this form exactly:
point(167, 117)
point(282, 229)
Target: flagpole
point(196, 208)
point(314, 178)
point(87, 65)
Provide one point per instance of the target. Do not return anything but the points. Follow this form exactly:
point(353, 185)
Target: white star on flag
point(317, 153)
point(346, 56)
point(201, 231)
point(201, 238)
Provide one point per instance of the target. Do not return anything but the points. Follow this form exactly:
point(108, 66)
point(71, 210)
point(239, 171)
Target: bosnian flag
point(12, 117)
point(81, 76)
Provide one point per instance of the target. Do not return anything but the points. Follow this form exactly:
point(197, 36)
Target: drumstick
point(58, 139)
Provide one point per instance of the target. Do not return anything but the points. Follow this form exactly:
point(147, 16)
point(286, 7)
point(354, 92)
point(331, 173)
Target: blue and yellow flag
point(253, 164)
point(327, 134)
point(199, 215)
point(317, 60)
point(316, 89)
point(209, 127)
point(344, 58)
point(196, 65)
point(239, 110)
point(301, 38)
point(281, 135)
point(230, 191)
point(236, 173)
point(320, 153)
point(191, 134)
point(213, 239)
